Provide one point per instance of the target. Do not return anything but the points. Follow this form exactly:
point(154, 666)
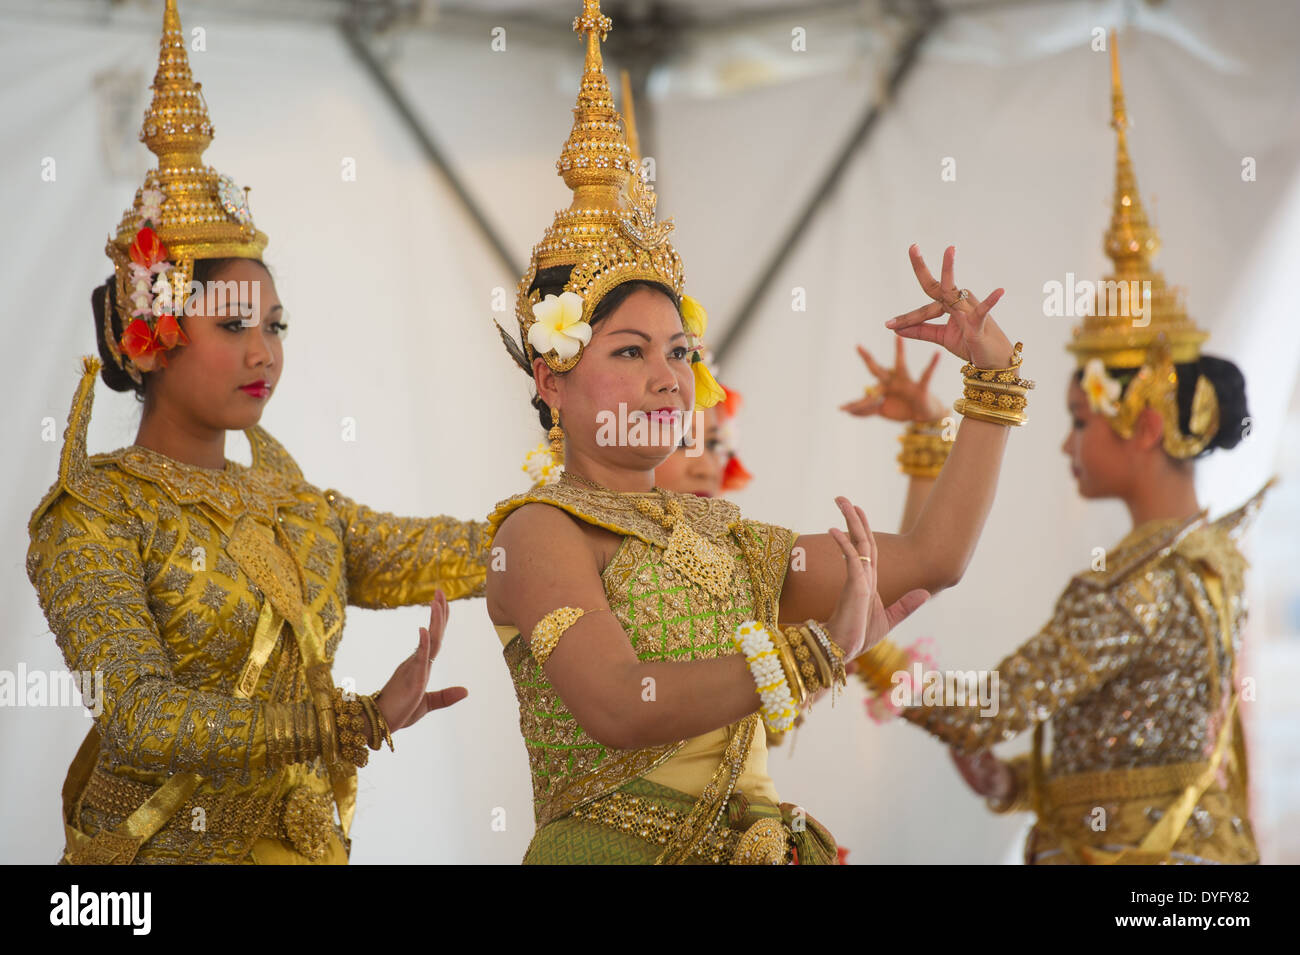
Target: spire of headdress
point(629, 116)
point(193, 211)
point(1119, 335)
point(176, 125)
point(609, 233)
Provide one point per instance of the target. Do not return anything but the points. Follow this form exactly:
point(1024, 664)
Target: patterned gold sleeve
point(89, 578)
point(398, 561)
point(1093, 635)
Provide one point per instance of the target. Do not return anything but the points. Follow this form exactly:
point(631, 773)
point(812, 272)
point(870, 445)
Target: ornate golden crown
point(203, 214)
point(609, 234)
point(1167, 336)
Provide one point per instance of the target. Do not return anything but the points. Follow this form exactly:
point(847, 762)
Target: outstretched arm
point(935, 552)
point(396, 561)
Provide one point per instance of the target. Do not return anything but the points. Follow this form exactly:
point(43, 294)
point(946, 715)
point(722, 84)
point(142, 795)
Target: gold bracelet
point(925, 448)
point(1019, 800)
point(834, 657)
point(990, 398)
point(793, 678)
point(971, 370)
point(980, 412)
point(878, 665)
point(350, 726)
point(809, 670)
point(382, 734)
point(320, 687)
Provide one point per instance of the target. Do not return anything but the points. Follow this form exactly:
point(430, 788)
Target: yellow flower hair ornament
point(695, 320)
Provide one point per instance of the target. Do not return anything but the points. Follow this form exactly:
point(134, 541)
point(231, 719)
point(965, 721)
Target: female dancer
point(621, 605)
point(204, 600)
point(1136, 670)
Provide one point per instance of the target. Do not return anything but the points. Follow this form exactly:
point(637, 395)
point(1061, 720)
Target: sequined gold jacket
point(1135, 675)
point(667, 613)
point(131, 558)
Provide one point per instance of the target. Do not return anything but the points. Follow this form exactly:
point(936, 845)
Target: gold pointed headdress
point(184, 211)
point(609, 234)
point(1140, 322)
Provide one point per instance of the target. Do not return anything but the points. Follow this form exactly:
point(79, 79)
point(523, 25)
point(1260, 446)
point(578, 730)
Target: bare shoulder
point(537, 549)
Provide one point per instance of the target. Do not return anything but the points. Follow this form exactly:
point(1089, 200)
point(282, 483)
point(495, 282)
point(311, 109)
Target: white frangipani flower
point(559, 326)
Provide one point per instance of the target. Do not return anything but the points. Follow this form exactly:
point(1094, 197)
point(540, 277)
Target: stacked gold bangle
point(925, 448)
point(290, 734)
point(995, 395)
point(808, 667)
point(350, 723)
point(817, 662)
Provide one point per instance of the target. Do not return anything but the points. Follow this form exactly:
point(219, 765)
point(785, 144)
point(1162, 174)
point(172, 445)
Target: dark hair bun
point(1229, 388)
point(105, 298)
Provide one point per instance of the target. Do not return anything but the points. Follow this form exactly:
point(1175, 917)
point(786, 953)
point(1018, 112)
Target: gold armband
point(925, 448)
point(549, 629)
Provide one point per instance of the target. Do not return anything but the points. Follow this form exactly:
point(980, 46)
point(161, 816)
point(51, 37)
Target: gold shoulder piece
point(270, 454)
point(1237, 523)
point(1152, 541)
point(77, 475)
point(1215, 544)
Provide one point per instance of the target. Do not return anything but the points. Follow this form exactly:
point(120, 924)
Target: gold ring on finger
point(962, 295)
point(864, 557)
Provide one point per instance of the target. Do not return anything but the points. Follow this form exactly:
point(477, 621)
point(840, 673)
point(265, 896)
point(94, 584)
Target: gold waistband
point(300, 817)
point(766, 842)
point(1140, 782)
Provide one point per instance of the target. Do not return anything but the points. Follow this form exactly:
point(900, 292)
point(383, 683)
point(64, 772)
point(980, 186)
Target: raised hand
point(897, 395)
point(969, 332)
point(404, 700)
point(860, 620)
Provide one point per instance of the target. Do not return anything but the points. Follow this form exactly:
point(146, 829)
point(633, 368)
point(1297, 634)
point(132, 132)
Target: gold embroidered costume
point(672, 608)
point(203, 607)
point(1136, 671)
point(1136, 676)
point(687, 573)
point(182, 586)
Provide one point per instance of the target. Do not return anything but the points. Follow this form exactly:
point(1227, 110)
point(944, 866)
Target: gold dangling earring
point(556, 434)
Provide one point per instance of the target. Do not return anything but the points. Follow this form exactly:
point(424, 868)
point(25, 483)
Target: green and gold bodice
point(676, 599)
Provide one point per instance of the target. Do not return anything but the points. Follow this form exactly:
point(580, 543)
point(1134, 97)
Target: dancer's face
point(699, 469)
point(636, 359)
point(208, 381)
point(1101, 461)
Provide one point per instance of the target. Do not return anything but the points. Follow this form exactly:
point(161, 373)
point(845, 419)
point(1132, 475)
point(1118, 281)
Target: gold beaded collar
point(617, 511)
point(234, 490)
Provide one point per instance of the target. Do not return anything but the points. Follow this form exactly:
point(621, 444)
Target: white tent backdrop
point(390, 294)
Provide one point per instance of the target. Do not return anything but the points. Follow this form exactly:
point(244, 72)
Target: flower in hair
point(559, 326)
point(1102, 390)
